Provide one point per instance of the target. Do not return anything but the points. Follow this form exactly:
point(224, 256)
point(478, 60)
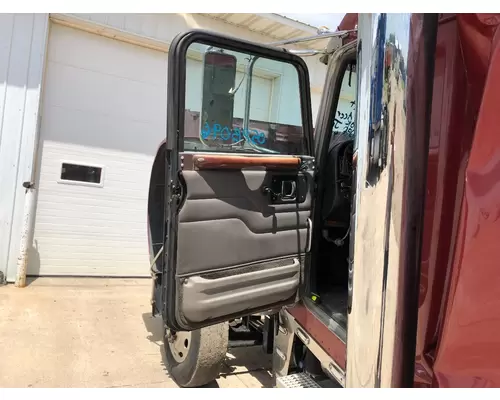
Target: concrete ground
point(95, 332)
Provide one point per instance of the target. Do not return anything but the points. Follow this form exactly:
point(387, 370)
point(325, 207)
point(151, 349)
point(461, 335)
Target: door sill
point(332, 325)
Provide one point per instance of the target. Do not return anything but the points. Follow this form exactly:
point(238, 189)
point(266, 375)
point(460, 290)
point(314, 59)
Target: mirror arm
point(249, 72)
point(306, 53)
point(320, 35)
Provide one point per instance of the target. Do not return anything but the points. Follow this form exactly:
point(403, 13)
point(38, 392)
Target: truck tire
point(195, 358)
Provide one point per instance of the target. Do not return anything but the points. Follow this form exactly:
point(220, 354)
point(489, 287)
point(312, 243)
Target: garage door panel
point(86, 236)
point(115, 223)
point(111, 189)
point(130, 187)
point(65, 125)
point(120, 159)
point(89, 253)
point(95, 249)
point(79, 218)
point(113, 169)
point(105, 108)
point(131, 178)
point(95, 53)
point(108, 240)
point(88, 229)
point(88, 257)
point(105, 268)
point(104, 94)
point(112, 206)
point(122, 187)
point(92, 260)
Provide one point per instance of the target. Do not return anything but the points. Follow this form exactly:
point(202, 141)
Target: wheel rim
point(179, 343)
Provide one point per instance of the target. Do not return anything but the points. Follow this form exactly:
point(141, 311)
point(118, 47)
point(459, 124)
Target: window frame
point(176, 97)
point(81, 183)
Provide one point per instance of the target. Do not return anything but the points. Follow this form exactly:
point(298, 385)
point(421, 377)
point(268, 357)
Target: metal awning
point(273, 28)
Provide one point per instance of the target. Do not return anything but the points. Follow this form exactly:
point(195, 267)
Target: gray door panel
point(236, 249)
point(227, 221)
point(244, 288)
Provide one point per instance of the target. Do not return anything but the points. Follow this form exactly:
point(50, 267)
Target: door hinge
point(175, 192)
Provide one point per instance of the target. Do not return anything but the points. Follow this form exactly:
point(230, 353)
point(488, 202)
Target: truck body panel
point(423, 299)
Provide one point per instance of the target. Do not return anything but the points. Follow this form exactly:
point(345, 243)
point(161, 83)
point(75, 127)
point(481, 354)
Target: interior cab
point(250, 207)
point(327, 282)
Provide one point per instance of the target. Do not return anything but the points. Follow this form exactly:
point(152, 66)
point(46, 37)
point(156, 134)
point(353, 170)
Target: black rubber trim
point(324, 127)
point(417, 192)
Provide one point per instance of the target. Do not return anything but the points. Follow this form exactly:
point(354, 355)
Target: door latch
point(288, 190)
point(282, 189)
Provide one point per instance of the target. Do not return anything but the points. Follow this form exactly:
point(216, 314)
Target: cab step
point(300, 380)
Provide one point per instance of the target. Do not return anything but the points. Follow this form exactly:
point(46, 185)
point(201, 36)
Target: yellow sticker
point(314, 298)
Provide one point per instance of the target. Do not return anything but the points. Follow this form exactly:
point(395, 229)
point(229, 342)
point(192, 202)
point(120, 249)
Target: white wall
point(317, 76)
point(22, 48)
point(286, 95)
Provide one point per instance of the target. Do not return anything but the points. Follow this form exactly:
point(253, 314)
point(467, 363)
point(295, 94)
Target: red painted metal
point(350, 21)
point(446, 154)
point(458, 336)
point(470, 343)
point(333, 346)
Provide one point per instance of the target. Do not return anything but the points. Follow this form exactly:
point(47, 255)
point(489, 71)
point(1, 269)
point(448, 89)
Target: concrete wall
point(23, 39)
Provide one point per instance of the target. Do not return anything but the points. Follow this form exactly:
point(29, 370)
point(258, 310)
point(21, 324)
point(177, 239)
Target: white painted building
point(91, 90)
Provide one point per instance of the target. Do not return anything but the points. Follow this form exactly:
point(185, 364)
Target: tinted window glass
point(80, 173)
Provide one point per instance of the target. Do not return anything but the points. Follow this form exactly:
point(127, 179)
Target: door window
point(240, 103)
point(344, 119)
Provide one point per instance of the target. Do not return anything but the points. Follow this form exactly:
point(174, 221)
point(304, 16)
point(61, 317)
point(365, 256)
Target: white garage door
point(104, 107)
point(103, 117)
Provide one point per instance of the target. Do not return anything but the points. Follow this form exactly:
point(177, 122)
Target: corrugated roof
point(275, 27)
point(296, 20)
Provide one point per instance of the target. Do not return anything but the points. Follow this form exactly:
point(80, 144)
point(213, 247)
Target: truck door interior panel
point(240, 180)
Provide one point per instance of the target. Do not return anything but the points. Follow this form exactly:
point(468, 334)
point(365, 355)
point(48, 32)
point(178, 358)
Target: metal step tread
point(300, 380)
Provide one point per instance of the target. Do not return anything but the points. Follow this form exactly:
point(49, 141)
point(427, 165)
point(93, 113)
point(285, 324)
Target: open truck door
point(239, 180)
point(231, 194)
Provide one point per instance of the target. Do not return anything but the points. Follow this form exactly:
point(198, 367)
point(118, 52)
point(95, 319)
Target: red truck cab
point(395, 284)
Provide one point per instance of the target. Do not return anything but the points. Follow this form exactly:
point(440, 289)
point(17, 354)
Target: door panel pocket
point(251, 287)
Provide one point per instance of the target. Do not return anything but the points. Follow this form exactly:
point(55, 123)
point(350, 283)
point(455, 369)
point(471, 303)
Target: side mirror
point(219, 76)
